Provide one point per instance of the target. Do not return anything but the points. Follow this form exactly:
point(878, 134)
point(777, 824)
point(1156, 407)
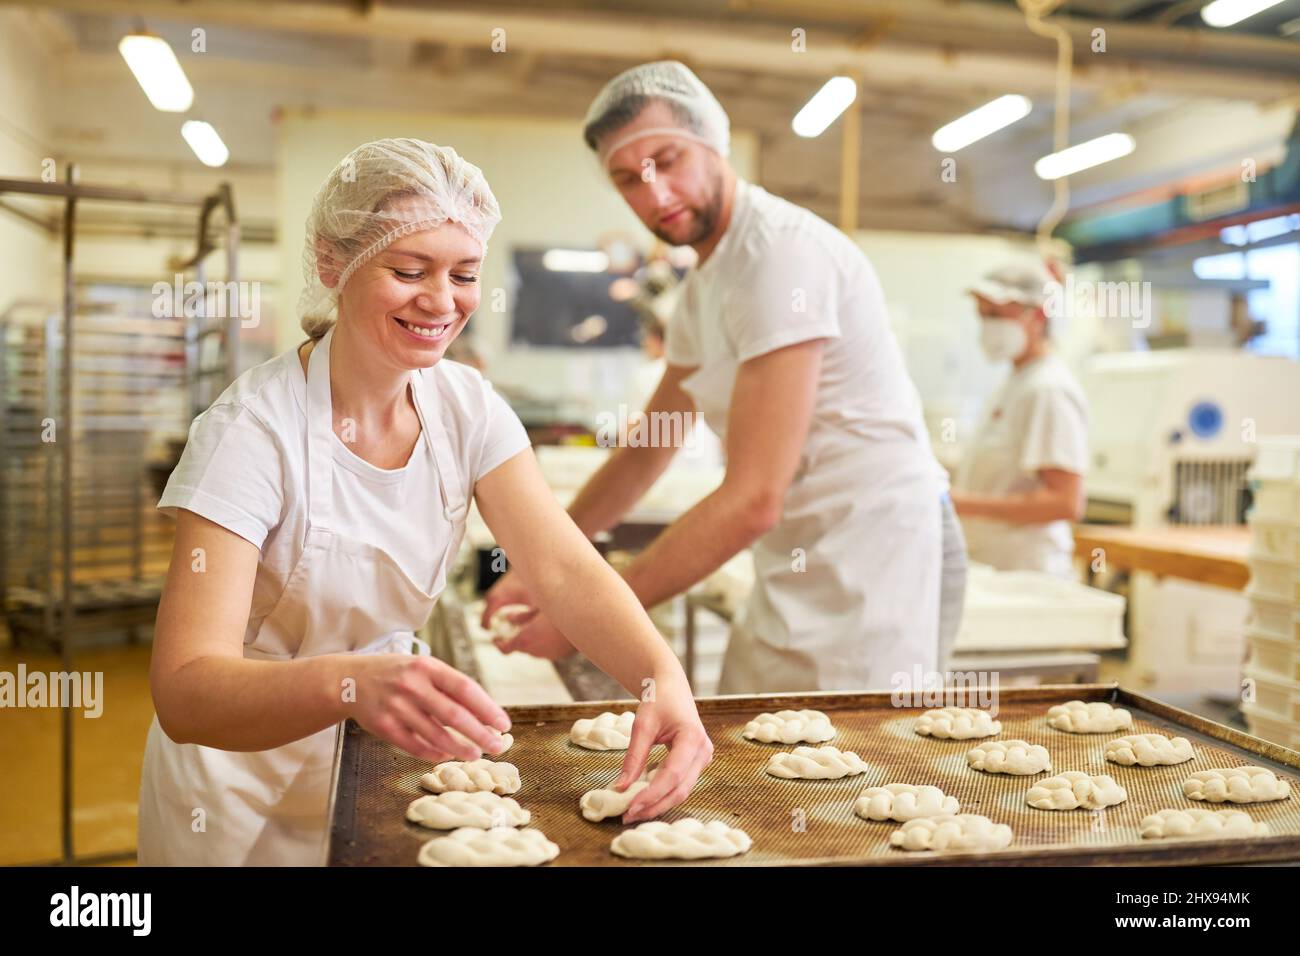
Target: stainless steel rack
point(84, 388)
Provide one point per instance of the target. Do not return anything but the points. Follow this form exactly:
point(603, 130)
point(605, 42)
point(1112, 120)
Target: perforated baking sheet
point(801, 822)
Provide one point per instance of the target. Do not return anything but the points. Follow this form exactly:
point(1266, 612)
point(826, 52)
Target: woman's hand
point(413, 702)
point(508, 589)
point(540, 638)
point(666, 715)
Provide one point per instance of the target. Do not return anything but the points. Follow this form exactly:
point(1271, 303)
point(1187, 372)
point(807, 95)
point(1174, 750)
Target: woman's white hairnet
point(698, 114)
point(380, 192)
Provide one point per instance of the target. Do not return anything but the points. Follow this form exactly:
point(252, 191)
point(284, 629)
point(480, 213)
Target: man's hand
point(539, 638)
point(508, 589)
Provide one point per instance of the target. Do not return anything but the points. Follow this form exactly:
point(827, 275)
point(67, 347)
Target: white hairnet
point(698, 114)
point(380, 192)
point(1026, 281)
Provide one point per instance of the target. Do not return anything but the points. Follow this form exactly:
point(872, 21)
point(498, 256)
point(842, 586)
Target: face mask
point(1002, 339)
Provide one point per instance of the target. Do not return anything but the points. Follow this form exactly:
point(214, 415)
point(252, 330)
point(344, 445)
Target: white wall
point(551, 192)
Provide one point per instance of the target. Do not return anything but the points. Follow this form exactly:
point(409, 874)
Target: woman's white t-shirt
point(245, 468)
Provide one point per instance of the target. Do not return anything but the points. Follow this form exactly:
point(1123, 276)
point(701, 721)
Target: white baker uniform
point(353, 558)
point(1037, 419)
point(862, 515)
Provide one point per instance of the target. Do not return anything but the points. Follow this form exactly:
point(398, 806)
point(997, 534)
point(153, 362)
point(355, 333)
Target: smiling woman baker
point(319, 504)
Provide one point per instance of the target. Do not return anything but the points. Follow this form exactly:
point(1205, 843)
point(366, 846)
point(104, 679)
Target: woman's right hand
point(411, 701)
point(509, 589)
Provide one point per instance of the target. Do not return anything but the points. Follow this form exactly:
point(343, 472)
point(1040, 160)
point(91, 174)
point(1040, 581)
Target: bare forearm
point(607, 608)
point(235, 704)
point(616, 486)
point(695, 545)
point(1033, 507)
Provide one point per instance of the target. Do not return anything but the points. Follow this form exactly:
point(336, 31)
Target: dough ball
point(1148, 750)
point(1009, 756)
point(507, 739)
point(471, 776)
point(597, 805)
point(500, 846)
point(962, 831)
point(1073, 790)
point(509, 619)
point(957, 723)
point(1093, 717)
point(454, 809)
point(687, 839)
point(606, 732)
point(1223, 824)
point(903, 802)
point(815, 763)
point(1236, 785)
point(790, 727)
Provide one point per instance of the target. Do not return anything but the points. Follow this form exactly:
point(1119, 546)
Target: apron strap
point(429, 405)
point(320, 425)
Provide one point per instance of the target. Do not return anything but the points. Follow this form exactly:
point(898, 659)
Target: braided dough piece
point(957, 723)
point(1148, 750)
point(472, 775)
point(790, 727)
point(454, 809)
point(507, 739)
point(961, 831)
point(502, 624)
point(903, 802)
point(1073, 790)
point(597, 805)
point(815, 763)
point(500, 846)
point(1226, 824)
point(1009, 756)
point(607, 732)
point(1236, 785)
point(1093, 717)
point(688, 839)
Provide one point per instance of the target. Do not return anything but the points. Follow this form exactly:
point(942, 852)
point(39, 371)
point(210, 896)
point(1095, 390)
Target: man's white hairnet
point(380, 192)
point(698, 114)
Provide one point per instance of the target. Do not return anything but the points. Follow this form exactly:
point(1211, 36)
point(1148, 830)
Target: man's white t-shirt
point(780, 275)
point(244, 468)
point(1038, 419)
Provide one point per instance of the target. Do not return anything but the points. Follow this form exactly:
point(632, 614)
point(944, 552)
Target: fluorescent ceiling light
point(205, 142)
point(1224, 13)
point(1259, 230)
point(1227, 265)
point(827, 104)
point(978, 123)
point(158, 72)
point(575, 260)
point(1092, 153)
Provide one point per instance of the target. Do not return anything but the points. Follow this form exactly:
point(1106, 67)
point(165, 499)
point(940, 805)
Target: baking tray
point(374, 782)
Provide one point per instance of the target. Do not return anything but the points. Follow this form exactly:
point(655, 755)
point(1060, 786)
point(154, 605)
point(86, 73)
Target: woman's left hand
point(540, 638)
point(666, 715)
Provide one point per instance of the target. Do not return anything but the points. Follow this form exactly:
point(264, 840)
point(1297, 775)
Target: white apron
point(208, 807)
point(862, 519)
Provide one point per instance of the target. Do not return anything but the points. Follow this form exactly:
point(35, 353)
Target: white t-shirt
point(781, 275)
point(244, 468)
point(1038, 419)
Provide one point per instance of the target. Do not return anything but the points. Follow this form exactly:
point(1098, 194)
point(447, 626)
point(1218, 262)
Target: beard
point(705, 217)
